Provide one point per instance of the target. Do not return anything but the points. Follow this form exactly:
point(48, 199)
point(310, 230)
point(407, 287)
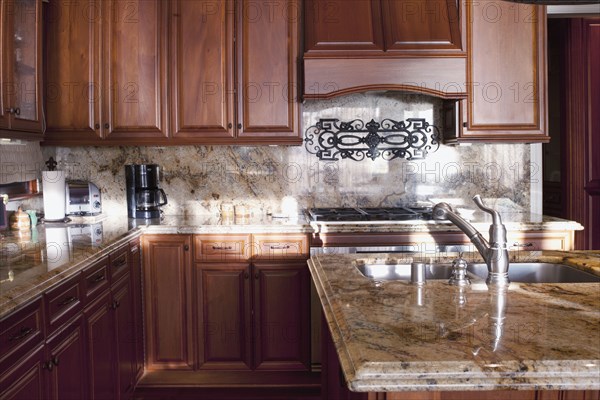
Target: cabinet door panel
point(506, 71)
point(282, 321)
point(100, 344)
point(24, 82)
point(66, 352)
point(72, 94)
point(202, 69)
point(24, 381)
point(225, 325)
point(3, 72)
point(267, 69)
point(136, 288)
point(124, 328)
point(422, 25)
point(343, 25)
point(135, 100)
point(168, 303)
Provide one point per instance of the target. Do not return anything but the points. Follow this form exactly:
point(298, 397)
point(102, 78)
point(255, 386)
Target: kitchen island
point(391, 336)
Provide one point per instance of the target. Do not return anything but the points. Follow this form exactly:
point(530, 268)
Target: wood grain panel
point(4, 123)
point(268, 104)
point(202, 63)
point(343, 25)
point(225, 324)
point(72, 86)
point(169, 310)
point(135, 92)
point(506, 69)
point(281, 312)
point(232, 248)
point(421, 25)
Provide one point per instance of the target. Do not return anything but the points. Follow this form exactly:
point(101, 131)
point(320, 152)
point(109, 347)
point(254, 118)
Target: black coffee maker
point(144, 197)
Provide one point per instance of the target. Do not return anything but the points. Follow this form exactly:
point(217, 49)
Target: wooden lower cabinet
point(66, 363)
point(124, 328)
point(25, 379)
point(168, 306)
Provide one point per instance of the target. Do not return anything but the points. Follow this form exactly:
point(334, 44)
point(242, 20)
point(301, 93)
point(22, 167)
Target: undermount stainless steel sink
point(539, 273)
point(518, 272)
point(395, 272)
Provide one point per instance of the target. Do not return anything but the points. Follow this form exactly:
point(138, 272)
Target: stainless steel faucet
point(494, 252)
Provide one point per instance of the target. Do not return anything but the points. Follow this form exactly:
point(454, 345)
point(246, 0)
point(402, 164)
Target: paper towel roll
point(53, 187)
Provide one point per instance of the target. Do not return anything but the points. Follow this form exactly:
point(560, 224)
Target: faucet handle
point(495, 215)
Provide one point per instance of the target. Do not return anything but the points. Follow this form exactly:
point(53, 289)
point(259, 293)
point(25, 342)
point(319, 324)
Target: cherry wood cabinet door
point(282, 316)
point(225, 324)
point(342, 25)
point(124, 329)
point(268, 104)
point(3, 79)
point(72, 60)
point(134, 67)
point(66, 354)
point(202, 61)
point(169, 305)
point(23, 84)
point(506, 72)
point(100, 335)
point(25, 379)
point(421, 25)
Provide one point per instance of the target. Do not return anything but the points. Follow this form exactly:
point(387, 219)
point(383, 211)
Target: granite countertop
point(394, 336)
point(30, 263)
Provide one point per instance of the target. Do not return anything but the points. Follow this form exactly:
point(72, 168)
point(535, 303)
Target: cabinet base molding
point(199, 385)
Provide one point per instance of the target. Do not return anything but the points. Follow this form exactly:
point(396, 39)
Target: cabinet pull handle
point(106, 125)
point(186, 247)
point(239, 126)
point(17, 111)
point(67, 300)
point(115, 304)
point(98, 278)
point(230, 125)
point(97, 126)
point(279, 247)
point(48, 365)
point(23, 333)
point(55, 360)
point(256, 275)
point(523, 245)
point(246, 276)
point(120, 262)
point(222, 248)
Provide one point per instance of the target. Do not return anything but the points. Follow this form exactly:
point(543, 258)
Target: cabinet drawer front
point(63, 302)
point(221, 247)
point(20, 331)
point(280, 246)
point(119, 263)
point(96, 278)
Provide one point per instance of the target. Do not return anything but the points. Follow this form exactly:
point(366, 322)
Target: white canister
point(53, 187)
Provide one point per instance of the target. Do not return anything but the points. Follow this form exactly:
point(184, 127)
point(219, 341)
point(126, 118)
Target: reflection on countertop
point(394, 336)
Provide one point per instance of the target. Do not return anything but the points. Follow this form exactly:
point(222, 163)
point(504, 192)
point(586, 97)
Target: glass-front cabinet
point(21, 113)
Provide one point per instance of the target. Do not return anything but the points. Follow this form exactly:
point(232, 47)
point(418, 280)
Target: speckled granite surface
point(394, 336)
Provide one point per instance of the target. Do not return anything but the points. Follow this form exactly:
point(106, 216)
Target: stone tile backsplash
point(197, 179)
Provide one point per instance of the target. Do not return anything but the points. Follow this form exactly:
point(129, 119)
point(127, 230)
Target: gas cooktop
point(370, 214)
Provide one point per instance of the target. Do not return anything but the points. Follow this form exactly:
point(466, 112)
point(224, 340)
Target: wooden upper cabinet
point(421, 25)
point(21, 70)
point(111, 82)
point(134, 95)
point(202, 69)
point(72, 86)
point(267, 36)
point(343, 25)
point(506, 73)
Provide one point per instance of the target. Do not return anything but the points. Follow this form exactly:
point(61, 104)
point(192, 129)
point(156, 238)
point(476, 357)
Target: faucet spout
point(494, 251)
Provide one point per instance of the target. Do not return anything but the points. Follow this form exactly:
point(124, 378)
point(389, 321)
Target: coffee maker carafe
point(144, 197)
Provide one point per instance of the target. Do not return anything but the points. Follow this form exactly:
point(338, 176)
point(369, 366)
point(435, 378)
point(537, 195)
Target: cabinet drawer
point(63, 302)
point(221, 247)
point(96, 278)
point(119, 263)
point(21, 331)
point(269, 247)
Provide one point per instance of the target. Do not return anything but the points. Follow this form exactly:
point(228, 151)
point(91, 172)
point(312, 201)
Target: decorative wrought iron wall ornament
point(411, 139)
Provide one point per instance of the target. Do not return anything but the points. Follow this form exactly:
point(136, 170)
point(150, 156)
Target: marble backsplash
point(197, 179)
